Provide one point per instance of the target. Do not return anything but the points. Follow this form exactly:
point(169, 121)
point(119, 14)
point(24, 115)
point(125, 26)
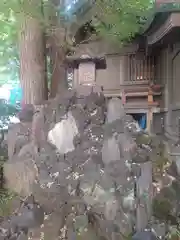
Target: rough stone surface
point(115, 110)
point(23, 172)
point(26, 114)
point(144, 235)
point(18, 135)
point(110, 151)
point(82, 163)
point(145, 195)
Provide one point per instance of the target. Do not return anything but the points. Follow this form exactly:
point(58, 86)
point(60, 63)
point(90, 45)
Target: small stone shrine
point(85, 66)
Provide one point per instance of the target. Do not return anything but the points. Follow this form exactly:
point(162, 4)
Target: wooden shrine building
point(145, 73)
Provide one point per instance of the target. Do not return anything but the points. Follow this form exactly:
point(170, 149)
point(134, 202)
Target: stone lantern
point(84, 69)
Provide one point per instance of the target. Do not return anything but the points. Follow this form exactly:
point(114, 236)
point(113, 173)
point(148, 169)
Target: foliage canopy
point(121, 20)
point(116, 19)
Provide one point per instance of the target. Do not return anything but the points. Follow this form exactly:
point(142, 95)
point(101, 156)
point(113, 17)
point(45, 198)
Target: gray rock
point(144, 195)
point(173, 171)
point(97, 116)
point(116, 126)
point(26, 114)
point(98, 98)
point(177, 161)
point(110, 151)
point(140, 156)
point(119, 171)
point(80, 222)
point(22, 236)
point(83, 91)
point(30, 216)
point(127, 146)
point(18, 136)
point(20, 175)
point(128, 202)
point(124, 222)
point(82, 172)
point(115, 110)
point(144, 235)
point(159, 229)
point(82, 118)
point(27, 150)
point(111, 208)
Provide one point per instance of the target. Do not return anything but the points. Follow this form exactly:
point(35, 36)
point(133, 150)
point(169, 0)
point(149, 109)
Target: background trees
point(34, 38)
point(121, 20)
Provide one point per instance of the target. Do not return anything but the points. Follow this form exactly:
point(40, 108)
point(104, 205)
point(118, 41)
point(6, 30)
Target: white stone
point(63, 133)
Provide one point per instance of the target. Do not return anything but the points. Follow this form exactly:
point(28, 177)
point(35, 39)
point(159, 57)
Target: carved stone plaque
point(87, 73)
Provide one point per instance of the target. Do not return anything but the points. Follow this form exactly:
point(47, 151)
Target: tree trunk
point(32, 61)
point(57, 54)
point(58, 77)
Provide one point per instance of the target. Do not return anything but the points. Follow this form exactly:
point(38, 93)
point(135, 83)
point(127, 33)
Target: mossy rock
point(167, 193)
point(7, 202)
point(173, 237)
point(159, 159)
point(143, 139)
point(174, 234)
point(88, 234)
point(161, 208)
point(159, 164)
point(176, 188)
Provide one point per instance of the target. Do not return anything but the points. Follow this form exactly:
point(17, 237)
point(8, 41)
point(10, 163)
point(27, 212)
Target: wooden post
point(123, 97)
point(149, 119)
point(150, 112)
point(150, 96)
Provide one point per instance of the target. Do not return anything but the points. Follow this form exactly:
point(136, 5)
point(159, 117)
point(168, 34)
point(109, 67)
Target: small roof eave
point(168, 7)
point(100, 62)
point(172, 21)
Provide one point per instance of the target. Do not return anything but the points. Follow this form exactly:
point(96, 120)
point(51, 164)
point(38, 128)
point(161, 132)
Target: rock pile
point(75, 162)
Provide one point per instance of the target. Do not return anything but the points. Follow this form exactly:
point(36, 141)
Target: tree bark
point(57, 54)
point(58, 74)
point(32, 61)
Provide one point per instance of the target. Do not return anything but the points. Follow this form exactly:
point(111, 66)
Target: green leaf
point(121, 20)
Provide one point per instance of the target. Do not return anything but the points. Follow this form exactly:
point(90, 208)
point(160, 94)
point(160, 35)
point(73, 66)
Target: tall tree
point(32, 53)
point(22, 51)
point(28, 57)
point(57, 48)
